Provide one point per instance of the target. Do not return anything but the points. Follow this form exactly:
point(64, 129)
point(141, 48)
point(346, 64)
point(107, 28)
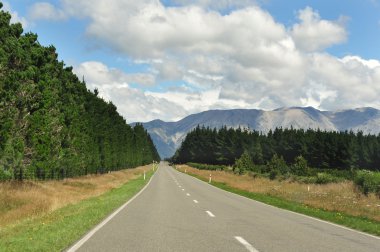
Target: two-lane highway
point(177, 212)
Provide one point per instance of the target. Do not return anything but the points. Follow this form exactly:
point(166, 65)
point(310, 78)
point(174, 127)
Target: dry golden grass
point(342, 197)
point(28, 199)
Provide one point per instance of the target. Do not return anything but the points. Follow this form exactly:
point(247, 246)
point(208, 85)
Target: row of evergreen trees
point(321, 149)
point(51, 126)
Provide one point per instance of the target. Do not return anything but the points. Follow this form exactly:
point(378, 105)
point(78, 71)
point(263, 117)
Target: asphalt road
point(177, 212)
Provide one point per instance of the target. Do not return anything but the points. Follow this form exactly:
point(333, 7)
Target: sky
point(171, 58)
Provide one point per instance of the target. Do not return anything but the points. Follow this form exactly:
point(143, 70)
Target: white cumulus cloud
point(101, 74)
point(113, 85)
point(216, 4)
point(243, 58)
point(314, 33)
point(47, 11)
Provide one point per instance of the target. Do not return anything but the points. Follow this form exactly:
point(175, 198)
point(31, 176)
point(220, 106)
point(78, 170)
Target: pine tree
point(51, 126)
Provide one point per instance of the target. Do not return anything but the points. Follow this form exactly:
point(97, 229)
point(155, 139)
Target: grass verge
point(61, 228)
point(355, 222)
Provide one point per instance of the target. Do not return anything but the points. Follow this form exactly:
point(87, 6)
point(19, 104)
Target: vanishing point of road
point(177, 212)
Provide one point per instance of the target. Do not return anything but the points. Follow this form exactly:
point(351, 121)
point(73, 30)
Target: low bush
point(243, 164)
point(208, 167)
point(304, 179)
point(324, 178)
point(300, 167)
point(277, 165)
point(368, 182)
point(342, 174)
point(5, 175)
point(273, 174)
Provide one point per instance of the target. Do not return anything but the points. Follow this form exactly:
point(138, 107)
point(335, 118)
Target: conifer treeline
point(51, 126)
point(321, 149)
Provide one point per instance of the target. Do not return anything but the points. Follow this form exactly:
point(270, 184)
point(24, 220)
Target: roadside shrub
point(368, 182)
point(273, 174)
point(208, 167)
point(305, 180)
point(237, 170)
point(243, 164)
point(5, 175)
point(277, 165)
point(324, 178)
point(300, 167)
point(344, 174)
point(254, 174)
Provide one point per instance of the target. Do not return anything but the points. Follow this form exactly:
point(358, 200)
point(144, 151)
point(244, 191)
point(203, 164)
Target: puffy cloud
point(356, 61)
point(314, 34)
point(239, 59)
point(147, 29)
point(97, 72)
point(16, 18)
point(351, 81)
point(134, 104)
point(193, 102)
point(46, 11)
point(168, 71)
point(137, 106)
point(216, 4)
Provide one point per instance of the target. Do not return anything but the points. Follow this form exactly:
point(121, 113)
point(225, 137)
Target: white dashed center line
point(246, 244)
point(188, 194)
point(195, 201)
point(210, 214)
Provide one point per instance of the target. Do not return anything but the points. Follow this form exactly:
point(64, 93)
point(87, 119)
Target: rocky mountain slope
point(167, 136)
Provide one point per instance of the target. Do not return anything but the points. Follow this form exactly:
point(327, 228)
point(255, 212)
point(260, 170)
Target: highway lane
point(177, 212)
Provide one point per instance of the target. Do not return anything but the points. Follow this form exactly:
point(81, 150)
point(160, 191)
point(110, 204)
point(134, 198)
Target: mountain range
point(167, 136)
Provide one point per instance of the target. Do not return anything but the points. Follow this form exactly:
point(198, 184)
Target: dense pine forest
point(320, 149)
point(51, 126)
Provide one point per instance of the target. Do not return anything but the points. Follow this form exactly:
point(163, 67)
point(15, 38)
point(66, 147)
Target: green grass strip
point(61, 228)
point(355, 222)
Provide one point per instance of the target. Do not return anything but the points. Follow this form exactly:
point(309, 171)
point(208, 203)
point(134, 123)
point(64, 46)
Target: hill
point(168, 136)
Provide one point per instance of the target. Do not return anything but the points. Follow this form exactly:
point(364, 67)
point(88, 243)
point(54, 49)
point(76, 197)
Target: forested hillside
point(321, 149)
point(51, 126)
point(168, 136)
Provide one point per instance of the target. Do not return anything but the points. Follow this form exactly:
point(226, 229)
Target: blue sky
point(363, 22)
point(167, 59)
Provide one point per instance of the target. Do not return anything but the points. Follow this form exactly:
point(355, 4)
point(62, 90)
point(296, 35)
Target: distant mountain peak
point(167, 136)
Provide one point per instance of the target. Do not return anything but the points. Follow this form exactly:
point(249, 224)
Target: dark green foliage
point(340, 153)
point(51, 126)
point(300, 167)
point(208, 167)
point(5, 175)
point(368, 181)
point(243, 164)
point(277, 164)
point(325, 178)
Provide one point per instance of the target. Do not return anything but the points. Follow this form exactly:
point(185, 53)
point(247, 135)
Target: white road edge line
point(210, 214)
point(79, 243)
point(300, 214)
point(246, 244)
point(195, 201)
